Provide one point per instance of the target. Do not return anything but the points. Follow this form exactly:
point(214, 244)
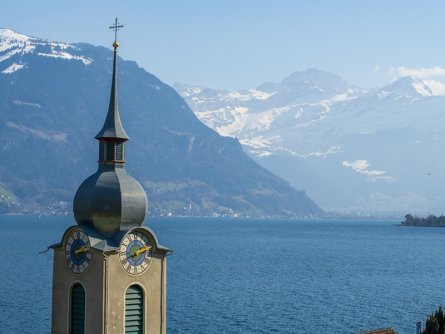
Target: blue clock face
point(133, 258)
point(77, 251)
point(135, 253)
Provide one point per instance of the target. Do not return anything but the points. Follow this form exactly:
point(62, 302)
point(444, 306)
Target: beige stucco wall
point(152, 282)
point(92, 281)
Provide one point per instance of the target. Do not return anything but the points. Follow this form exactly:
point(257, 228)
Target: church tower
point(109, 271)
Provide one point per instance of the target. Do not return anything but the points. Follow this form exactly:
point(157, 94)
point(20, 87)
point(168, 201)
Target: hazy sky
point(242, 43)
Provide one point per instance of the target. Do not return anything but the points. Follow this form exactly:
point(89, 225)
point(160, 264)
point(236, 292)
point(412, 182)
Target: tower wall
point(105, 283)
point(152, 282)
point(93, 282)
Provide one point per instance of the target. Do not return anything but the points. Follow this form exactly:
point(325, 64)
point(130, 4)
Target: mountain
point(355, 151)
point(54, 98)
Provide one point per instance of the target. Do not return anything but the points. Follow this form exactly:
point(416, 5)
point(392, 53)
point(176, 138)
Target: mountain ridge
point(373, 149)
point(54, 100)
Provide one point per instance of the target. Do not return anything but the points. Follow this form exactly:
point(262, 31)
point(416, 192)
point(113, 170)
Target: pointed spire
point(112, 127)
point(110, 200)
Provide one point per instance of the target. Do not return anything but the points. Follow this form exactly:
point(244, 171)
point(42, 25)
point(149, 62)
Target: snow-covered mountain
point(53, 100)
point(353, 150)
point(13, 46)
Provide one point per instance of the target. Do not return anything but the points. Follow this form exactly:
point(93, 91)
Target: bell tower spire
point(112, 128)
point(109, 270)
point(110, 200)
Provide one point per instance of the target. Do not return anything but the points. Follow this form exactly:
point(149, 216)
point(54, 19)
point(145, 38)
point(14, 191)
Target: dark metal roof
point(110, 200)
point(110, 244)
point(112, 127)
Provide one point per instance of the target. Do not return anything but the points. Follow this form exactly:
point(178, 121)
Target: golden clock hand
point(82, 249)
point(140, 251)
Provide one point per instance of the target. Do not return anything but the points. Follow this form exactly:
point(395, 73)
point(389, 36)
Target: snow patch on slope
point(249, 95)
point(13, 43)
point(362, 167)
point(26, 104)
point(13, 68)
point(330, 151)
point(406, 87)
point(65, 55)
point(56, 137)
point(422, 89)
point(10, 38)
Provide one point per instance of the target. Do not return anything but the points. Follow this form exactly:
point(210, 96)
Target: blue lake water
point(253, 276)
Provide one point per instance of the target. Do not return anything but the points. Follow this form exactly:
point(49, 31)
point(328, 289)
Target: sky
point(239, 44)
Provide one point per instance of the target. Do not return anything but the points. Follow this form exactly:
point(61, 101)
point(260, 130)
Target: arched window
point(134, 310)
point(77, 309)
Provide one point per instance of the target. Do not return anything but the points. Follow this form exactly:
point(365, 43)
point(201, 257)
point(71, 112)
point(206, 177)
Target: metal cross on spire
point(116, 26)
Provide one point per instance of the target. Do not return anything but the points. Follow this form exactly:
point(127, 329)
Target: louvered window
point(120, 151)
point(134, 310)
point(77, 309)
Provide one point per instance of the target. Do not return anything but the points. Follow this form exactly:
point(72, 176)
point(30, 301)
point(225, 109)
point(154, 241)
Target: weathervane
point(116, 26)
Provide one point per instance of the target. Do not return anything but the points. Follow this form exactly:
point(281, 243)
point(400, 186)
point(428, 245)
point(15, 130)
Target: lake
point(253, 276)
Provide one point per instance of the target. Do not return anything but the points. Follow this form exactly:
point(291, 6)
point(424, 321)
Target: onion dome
point(110, 200)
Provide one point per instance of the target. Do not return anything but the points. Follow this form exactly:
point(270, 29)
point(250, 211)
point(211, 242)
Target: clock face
point(135, 253)
point(77, 251)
